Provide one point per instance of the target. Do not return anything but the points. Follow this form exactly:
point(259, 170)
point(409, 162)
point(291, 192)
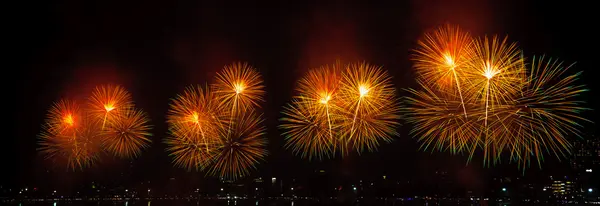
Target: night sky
point(156, 49)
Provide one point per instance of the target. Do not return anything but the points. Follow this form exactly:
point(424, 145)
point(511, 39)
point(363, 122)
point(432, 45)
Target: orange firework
point(194, 121)
point(239, 87)
point(63, 117)
point(108, 102)
point(69, 137)
point(127, 135)
point(441, 58)
point(321, 85)
point(368, 106)
point(241, 149)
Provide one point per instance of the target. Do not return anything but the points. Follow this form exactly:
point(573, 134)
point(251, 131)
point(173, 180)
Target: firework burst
point(441, 58)
point(239, 87)
point(241, 149)
point(544, 114)
point(188, 149)
point(311, 121)
point(339, 108)
point(439, 121)
point(63, 117)
point(370, 107)
point(108, 102)
point(194, 122)
point(69, 137)
point(309, 130)
point(127, 135)
point(512, 107)
point(495, 76)
point(78, 136)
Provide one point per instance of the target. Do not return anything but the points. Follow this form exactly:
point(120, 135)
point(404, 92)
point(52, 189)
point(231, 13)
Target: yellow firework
point(495, 73)
point(188, 150)
point(108, 102)
point(127, 135)
point(311, 120)
point(369, 108)
point(194, 121)
point(441, 58)
point(544, 115)
point(239, 87)
point(495, 76)
point(309, 129)
point(525, 110)
point(439, 122)
point(239, 150)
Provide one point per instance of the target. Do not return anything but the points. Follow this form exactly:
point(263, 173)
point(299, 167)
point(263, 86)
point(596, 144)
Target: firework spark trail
point(329, 121)
point(462, 102)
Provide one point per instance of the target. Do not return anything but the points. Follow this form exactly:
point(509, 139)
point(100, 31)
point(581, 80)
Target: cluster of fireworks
point(476, 94)
point(482, 94)
point(218, 129)
point(340, 108)
point(77, 135)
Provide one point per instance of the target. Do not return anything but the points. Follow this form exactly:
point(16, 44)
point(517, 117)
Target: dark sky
point(156, 48)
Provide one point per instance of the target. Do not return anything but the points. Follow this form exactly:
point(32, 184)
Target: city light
point(503, 189)
point(544, 189)
point(588, 170)
point(590, 190)
point(221, 189)
point(354, 188)
point(126, 190)
point(292, 189)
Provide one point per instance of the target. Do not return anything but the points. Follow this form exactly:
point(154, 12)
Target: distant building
point(562, 188)
point(586, 153)
point(585, 163)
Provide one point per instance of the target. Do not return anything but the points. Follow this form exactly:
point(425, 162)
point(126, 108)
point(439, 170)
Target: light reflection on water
point(221, 203)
